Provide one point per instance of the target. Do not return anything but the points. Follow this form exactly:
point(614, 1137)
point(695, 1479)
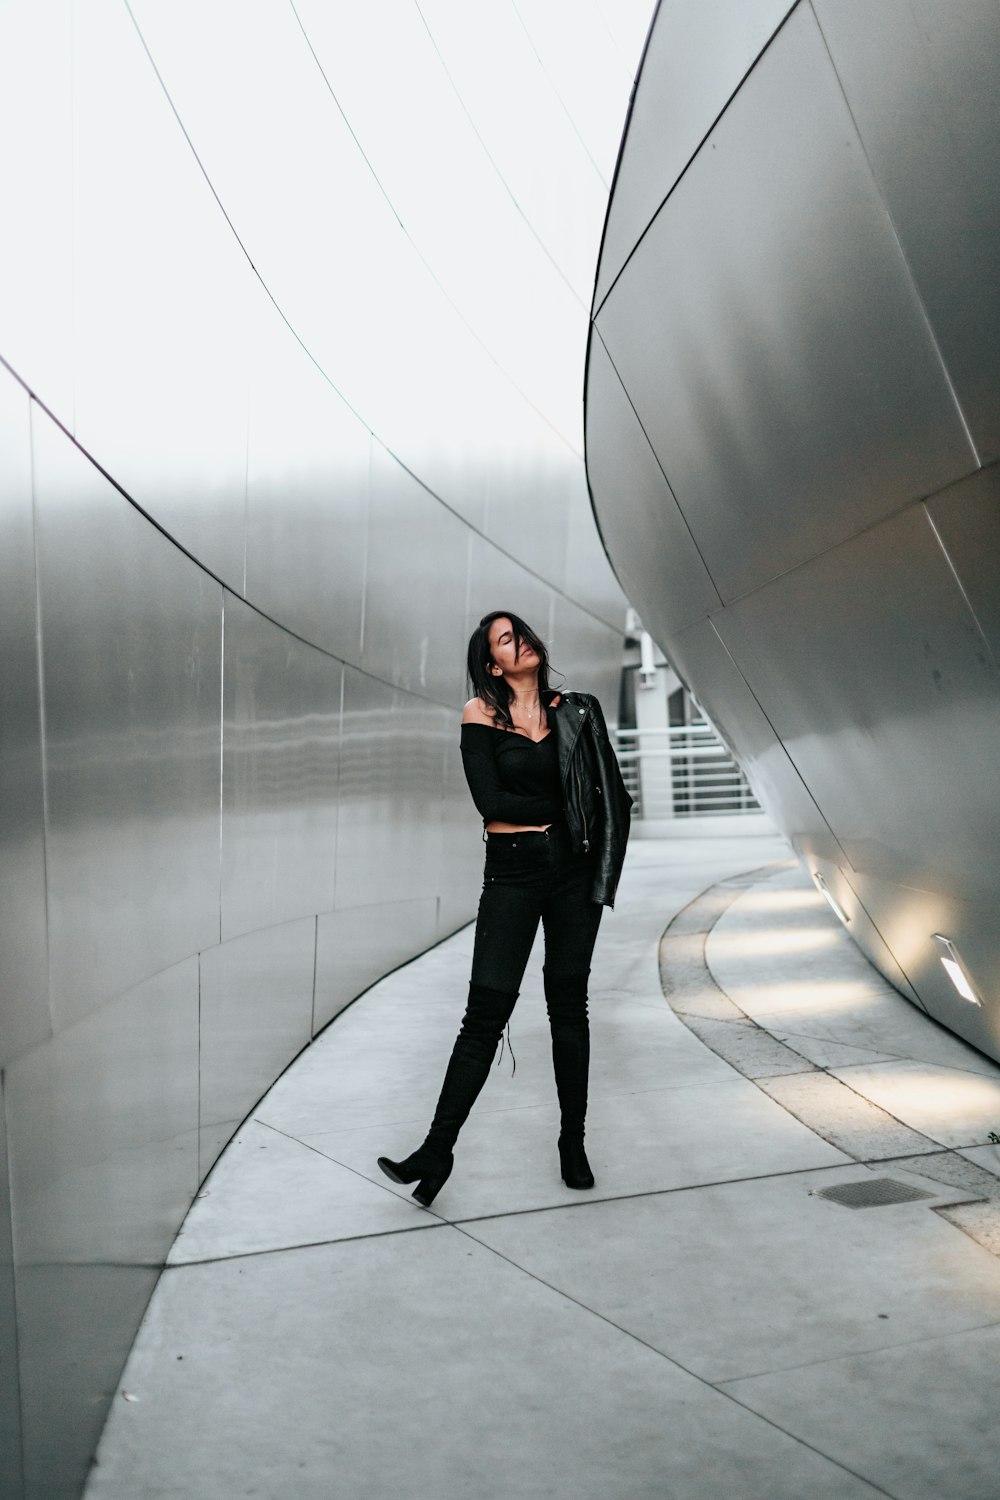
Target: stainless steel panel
point(24, 1006)
point(496, 581)
point(256, 1014)
point(415, 580)
point(703, 662)
point(871, 669)
point(589, 577)
point(907, 917)
point(36, 165)
point(163, 297)
point(489, 243)
point(841, 884)
point(769, 335)
point(76, 1326)
point(534, 147)
point(587, 654)
point(307, 495)
point(528, 494)
point(10, 1393)
point(102, 1123)
point(659, 565)
point(280, 747)
point(967, 521)
point(462, 847)
point(131, 643)
point(591, 55)
point(923, 83)
point(391, 789)
point(485, 50)
point(338, 263)
point(357, 947)
point(695, 59)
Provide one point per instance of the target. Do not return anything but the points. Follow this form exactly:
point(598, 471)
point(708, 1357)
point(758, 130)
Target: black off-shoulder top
point(512, 778)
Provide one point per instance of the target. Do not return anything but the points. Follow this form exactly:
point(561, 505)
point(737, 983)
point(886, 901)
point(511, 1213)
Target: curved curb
point(823, 1103)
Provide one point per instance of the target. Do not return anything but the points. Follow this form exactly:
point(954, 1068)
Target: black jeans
point(532, 877)
point(529, 878)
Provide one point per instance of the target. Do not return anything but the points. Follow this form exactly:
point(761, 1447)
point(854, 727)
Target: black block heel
point(573, 1161)
point(428, 1188)
point(432, 1169)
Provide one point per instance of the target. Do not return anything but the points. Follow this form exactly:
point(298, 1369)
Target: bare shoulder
point(476, 712)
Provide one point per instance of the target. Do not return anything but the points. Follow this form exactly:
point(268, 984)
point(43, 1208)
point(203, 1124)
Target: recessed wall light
point(835, 905)
point(955, 969)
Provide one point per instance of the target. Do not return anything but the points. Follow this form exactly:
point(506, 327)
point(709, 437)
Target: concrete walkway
point(702, 1326)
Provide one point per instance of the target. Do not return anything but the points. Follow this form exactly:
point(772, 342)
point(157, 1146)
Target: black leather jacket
point(597, 806)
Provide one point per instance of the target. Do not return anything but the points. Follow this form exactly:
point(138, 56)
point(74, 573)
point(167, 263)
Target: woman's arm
point(495, 803)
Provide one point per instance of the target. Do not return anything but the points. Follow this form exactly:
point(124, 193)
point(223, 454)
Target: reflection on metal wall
point(792, 441)
point(292, 321)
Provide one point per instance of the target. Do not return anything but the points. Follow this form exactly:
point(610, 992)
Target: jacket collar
point(570, 717)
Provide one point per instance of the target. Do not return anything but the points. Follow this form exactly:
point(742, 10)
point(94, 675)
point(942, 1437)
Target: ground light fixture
point(955, 969)
point(835, 905)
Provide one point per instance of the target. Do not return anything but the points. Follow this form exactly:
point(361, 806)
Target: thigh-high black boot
point(486, 1015)
point(566, 999)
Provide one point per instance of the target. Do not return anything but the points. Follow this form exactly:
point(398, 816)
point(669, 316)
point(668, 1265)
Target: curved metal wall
point(292, 322)
point(792, 432)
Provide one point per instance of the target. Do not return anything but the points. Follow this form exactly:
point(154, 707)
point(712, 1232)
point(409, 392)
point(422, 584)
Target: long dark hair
point(492, 689)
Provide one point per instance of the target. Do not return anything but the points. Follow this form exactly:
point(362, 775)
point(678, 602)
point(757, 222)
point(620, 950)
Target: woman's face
point(502, 648)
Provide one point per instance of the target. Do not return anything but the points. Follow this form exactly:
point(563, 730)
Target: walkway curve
point(703, 1325)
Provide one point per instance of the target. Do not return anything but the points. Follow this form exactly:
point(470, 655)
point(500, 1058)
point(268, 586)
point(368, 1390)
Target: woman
point(544, 777)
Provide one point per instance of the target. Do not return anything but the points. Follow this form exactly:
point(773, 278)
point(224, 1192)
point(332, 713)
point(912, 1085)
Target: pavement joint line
point(667, 1192)
point(718, 1390)
point(833, 1359)
point(435, 1220)
point(674, 989)
point(340, 1239)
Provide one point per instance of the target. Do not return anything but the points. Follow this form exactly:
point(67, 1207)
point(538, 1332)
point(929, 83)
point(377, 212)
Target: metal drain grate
point(873, 1192)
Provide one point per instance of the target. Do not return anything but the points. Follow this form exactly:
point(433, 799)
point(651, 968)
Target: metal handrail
point(703, 780)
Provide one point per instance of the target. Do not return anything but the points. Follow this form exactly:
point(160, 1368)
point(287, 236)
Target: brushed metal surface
point(36, 167)
point(11, 1473)
point(488, 243)
point(355, 948)
point(703, 662)
point(462, 847)
point(589, 576)
point(841, 884)
point(391, 789)
point(102, 1129)
point(307, 495)
point(368, 310)
point(640, 522)
point(966, 518)
point(571, 38)
point(582, 649)
point(923, 83)
point(415, 581)
point(695, 59)
point(280, 748)
point(76, 1325)
point(497, 581)
point(161, 393)
point(24, 1009)
point(528, 493)
point(131, 644)
point(256, 1014)
point(907, 917)
point(770, 337)
point(874, 674)
point(540, 162)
